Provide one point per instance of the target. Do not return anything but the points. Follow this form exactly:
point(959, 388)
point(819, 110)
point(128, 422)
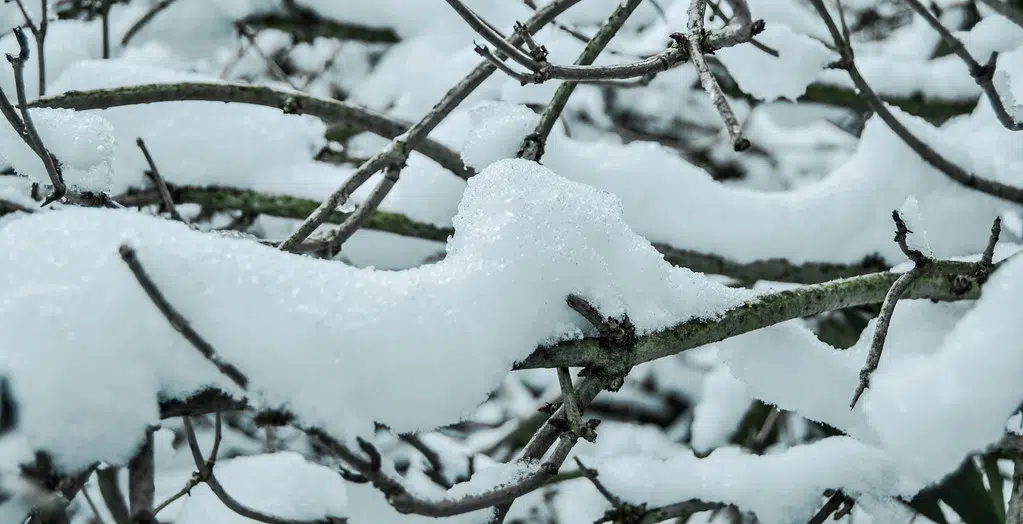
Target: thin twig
point(982, 74)
point(367, 208)
point(177, 321)
point(144, 20)
point(694, 40)
point(29, 133)
point(592, 475)
point(533, 145)
point(161, 185)
point(493, 37)
point(92, 506)
point(104, 14)
point(271, 64)
point(987, 259)
point(926, 152)
point(397, 151)
point(884, 320)
point(207, 476)
point(39, 33)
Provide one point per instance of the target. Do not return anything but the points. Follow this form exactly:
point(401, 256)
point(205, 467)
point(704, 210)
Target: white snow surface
point(669, 200)
point(305, 330)
point(282, 485)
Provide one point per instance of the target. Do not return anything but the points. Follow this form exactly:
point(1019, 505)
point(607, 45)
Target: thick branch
point(941, 280)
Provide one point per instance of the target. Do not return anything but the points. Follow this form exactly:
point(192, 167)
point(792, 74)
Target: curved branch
point(330, 111)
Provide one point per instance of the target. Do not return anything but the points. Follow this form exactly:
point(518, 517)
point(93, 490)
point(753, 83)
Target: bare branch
point(694, 41)
point(177, 321)
point(987, 259)
point(397, 151)
point(206, 474)
point(891, 299)
point(938, 280)
point(366, 209)
point(28, 129)
point(926, 152)
point(534, 144)
point(330, 111)
point(161, 186)
point(490, 35)
point(144, 20)
point(982, 74)
point(271, 64)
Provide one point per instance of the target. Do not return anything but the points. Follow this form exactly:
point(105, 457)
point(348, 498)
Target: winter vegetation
point(495, 261)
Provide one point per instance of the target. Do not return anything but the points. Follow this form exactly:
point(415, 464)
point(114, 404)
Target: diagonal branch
point(925, 151)
point(161, 185)
point(891, 299)
point(177, 321)
point(982, 74)
point(27, 129)
point(397, 151)
point(695, 42)
point(533, 145)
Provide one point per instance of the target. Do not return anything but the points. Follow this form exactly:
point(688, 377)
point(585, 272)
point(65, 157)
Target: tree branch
point(397, 151)
point(982, 74)
point(940, 280)
point(330, 111)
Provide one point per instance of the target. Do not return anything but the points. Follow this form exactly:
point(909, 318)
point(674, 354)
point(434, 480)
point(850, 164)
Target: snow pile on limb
point(341, 347)
point(669, 200)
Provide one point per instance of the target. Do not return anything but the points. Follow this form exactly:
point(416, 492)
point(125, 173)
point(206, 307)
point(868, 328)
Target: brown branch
point(177, 321)
point(206, 475)
point(397, 151)
point(330, 111)
point(27, 129)
point(982, 74)
point(925, 151)
point(359, 217)
point(161, 185)
point(144, 20)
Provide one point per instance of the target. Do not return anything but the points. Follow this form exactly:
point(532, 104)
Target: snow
point(280, 484)
point(800, 59)
point(83, 143)
point(806, 471)
point(669, 200)
point(525, 238)
point(964, 391)
point(378, 332)
point(205, 143)
point(716, 418)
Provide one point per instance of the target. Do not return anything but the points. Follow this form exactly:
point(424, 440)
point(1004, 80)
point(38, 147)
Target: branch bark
point(330, 111)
